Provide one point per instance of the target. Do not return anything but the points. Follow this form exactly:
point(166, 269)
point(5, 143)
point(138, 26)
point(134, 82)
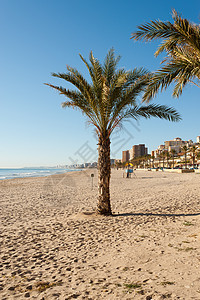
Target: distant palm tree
point(153, 159)
point(193, 149)
point(173, 153)
point(146, 158)
point(167, 154)
point(185, 151)
point(163, 155)
point(159, 159)
point(181, 42)
point(198, 157)
point(109, 99)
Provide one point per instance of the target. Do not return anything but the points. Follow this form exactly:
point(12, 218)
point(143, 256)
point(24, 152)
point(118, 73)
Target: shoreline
point(39, 176)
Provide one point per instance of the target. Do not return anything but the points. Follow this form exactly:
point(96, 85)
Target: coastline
point(7, 174)
point(52, 247)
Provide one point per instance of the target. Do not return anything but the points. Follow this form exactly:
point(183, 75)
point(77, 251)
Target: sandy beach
point(53, 247)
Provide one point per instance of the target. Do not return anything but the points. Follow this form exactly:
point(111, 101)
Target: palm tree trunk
point(104, 207)
point(185, 161)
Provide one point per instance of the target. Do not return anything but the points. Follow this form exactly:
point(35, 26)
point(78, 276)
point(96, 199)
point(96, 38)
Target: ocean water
point(32, 172)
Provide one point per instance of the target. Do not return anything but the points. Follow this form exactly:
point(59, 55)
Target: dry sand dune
point(53, 247)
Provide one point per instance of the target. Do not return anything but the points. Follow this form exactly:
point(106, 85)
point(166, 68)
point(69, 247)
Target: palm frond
point(157, 111)
point(110, 64)
point(148, 111)
point(181, 41)
point(77, 101)
point(112, 94)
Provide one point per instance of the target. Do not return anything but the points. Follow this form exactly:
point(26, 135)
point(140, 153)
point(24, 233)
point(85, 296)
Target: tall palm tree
point(163, 155)
point(198, 157)
point(181, 42)
point(106, 101)
point(153, 159)
point(173, 153)
point(148, 160)
point(185, 151)
point(159, 159)
point(193, 149)
point(145, 159)
point(167, 154)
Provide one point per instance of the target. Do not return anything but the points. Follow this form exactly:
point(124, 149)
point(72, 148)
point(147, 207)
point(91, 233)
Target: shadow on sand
point(156, 215)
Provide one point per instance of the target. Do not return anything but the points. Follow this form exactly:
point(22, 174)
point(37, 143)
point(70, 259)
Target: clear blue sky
point(40, 37)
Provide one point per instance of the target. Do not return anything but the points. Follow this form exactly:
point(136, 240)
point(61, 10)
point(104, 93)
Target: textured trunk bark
point(104, 207)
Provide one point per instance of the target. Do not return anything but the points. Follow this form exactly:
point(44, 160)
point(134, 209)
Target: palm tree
point(106, 101)
point(145, 159)
point(159, 159)
point(163, 154)
point(194, 152)
point(198, 157)
point(181, 42)
point(173, 153)
point(185, 151)
point(153, 158)
point(167, 157)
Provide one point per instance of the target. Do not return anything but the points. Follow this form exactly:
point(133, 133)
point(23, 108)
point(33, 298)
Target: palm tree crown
point(109, 99)
point(181, 41)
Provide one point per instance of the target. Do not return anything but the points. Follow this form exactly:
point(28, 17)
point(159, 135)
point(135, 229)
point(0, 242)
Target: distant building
point(86, 165)
point(138, 150)
point(175, 144)
point(118, 161)
point(198, 139)
point(125, 156)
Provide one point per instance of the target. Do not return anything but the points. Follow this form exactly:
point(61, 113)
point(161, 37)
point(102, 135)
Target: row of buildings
point(82, 166)
point(141, 151)
point(176, 145)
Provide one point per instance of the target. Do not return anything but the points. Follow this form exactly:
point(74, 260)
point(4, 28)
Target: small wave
point(5, 174)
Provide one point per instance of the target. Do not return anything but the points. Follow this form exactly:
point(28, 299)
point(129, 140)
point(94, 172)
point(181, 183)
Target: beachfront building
point(159, 150)
point(172, 152)
point(138, 150)
point(134, 152)
point(125, 156)
point(175, 144)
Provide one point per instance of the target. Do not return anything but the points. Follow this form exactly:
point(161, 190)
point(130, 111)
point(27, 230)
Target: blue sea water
point(32, 172)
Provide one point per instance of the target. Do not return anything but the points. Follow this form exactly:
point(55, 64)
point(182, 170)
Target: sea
point(31, 172)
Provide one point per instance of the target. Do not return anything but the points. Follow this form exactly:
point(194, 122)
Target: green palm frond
point(148, 111)
point(181, 32)
point(181, 41)
point(112, 94)
point(110, 64)
point(157, 111)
